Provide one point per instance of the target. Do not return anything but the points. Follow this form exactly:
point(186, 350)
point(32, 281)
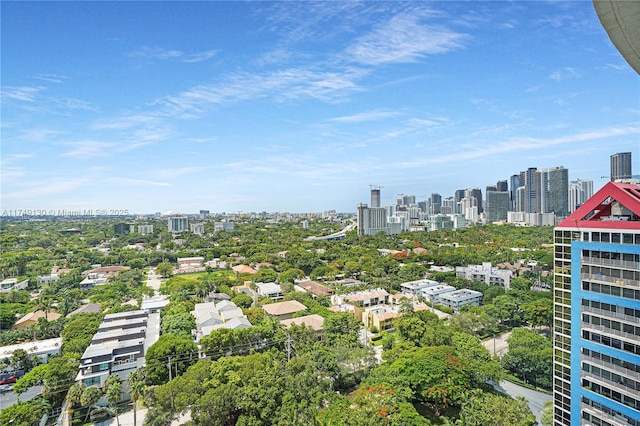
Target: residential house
point(271, 290)
point(382, 316)
point(363, 299)
point(92, 280)
point(32, 318)
point(243, 269)
point(212, 316)
point(89, 308)
point(11, 284)
point(314, 321)
point(315, 288)
point(283, 310)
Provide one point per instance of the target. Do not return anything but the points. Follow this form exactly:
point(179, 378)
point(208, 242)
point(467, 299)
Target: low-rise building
point(271, 290)
point(431, 294)
point(154, 303)
point(314, 321)
point(93, 280)
point(89, 308)
point(363, 299)
point(119, 346)
point(43, 349)
point(315, 288)
point(414, 287)
point(459, 298)
point(11, 284)
point(212, 316)
point(485, 273)
point(243, 269)
point(32, 318)
point(382, 316)
point(283, 310)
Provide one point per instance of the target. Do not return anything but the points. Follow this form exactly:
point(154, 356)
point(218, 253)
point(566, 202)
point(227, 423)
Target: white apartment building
point(119, 346)
point(459, 298)
point(485, 273)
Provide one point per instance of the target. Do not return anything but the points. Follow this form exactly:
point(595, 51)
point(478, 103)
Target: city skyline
point(299, 107)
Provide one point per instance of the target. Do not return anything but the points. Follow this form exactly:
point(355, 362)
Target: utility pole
point(288, 347)
point(170, 378)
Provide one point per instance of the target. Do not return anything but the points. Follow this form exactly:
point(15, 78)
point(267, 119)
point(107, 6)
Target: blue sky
point(300, 106)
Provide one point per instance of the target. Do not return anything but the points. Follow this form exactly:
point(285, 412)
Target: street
point(10, 398)
point(536, 399)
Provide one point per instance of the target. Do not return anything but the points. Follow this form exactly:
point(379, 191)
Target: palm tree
point(136, 382)
point(89, 397)
point(114, 393)
point(74, 396)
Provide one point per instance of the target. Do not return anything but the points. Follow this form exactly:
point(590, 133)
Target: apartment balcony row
point(612, 367)
point(610, 280)
point(606, 331)
point(617, 386)
point(614, 420)
point(612, 315)
point(616, 263)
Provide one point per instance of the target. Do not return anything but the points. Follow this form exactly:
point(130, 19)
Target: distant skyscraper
point(408, 200)
point(371, 220)
point(621, 166)
point(477, 194)
point(458, 196)
point(375, 195)
point(579, 191)
point(497, 206)
point(448, 206)
point(596, 357)
point(502, 186)
point(514, 182)
point(177, 224)
point(435, 202)
point(558, 191)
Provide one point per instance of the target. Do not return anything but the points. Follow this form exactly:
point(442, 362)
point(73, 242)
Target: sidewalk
point(126, 418)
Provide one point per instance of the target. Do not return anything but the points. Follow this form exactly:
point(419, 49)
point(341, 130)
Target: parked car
point(8, 380)
point(6, 388)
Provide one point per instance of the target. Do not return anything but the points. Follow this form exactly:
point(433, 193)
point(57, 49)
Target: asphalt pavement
point(10, 398)
point(535, 399)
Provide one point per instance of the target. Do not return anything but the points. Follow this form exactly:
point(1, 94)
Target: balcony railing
point(620, 387)
point(612, 367)
point(611, 315)
point(610, 280)
point(606, 331)
point(616, 263)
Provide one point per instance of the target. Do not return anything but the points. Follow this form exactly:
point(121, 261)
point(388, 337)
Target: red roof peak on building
point(615, 205)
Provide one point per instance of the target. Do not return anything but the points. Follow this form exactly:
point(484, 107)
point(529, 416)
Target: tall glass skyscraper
point(621, 166)
point(597, 311)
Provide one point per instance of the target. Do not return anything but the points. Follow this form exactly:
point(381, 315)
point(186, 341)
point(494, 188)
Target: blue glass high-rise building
point(596, 377)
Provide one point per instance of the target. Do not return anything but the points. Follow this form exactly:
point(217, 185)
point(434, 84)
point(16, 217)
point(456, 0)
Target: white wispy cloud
point(35, 190)
point(21, 93)
point(403, 39)
point(292, 83)
point(200, 57)
point(521, 143)
point(131, 181)
point(88, 149)
point(158, 53)
point(565, 73)
point(365, 116)
point(147, 52)
point(52, 78)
